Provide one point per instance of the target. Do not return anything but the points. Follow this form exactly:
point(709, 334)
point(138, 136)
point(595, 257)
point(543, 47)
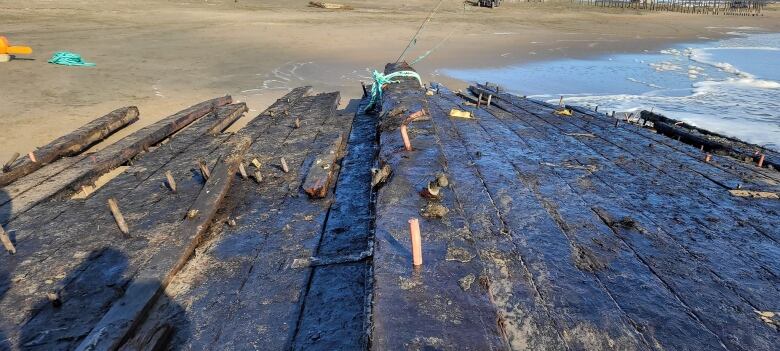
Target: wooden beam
point(88, 169)
point(322, 169)
point(71, 144)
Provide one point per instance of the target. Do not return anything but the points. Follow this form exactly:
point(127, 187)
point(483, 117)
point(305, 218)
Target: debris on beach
point(329, 5)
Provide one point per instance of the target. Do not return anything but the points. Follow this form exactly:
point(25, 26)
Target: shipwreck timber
point(539, 230)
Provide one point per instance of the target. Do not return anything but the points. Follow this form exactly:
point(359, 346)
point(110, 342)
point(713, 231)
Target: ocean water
point(730, 86)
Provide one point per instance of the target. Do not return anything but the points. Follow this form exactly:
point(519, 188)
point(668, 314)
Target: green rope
point(380, 80)
point(68, 59)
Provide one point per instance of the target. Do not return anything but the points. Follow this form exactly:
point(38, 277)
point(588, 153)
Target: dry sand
point(163, 56)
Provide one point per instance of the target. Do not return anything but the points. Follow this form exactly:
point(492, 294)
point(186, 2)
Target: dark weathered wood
point(148, 207)
point(667, 205)
point(411, 307)
point(90, 168)
point(401, 99)
point(126, 313)
point(269, 131)
point(227, 115)
point(594, 248)
point(711, 141)
point(320, 174)
point(335, 314)
point(72, 143)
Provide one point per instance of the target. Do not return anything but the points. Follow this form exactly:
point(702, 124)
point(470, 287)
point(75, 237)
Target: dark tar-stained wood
point(320, 174)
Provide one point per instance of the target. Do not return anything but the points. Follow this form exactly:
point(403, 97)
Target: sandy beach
point(163, 56)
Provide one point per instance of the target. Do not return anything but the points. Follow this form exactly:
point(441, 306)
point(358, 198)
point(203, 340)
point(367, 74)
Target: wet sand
point(163, 56)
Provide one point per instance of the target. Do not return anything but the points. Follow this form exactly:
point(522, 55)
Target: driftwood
point(329, 6)
point(70, 144)
point(322, 169)
point(711, 141)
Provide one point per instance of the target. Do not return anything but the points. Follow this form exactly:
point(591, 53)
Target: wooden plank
point(320, 174)
point(424, 307)
point(87, 170)
point(55, 246)
point(523, 313)
point(227, 115)
point(594, 248)
point(682, 267)
point(126, 313)
point(71, 144)
point(573, 294)
point(234, 245)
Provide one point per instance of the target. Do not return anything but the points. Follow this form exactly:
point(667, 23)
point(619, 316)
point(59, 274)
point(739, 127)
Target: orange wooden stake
point(761, 161)
point(405, 136)
point(32, 157)
point(414, 228)
point(708, 158)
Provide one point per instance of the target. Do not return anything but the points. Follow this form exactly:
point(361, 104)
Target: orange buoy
point(5, 48)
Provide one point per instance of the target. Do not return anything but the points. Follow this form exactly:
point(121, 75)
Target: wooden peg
point(171, 181)
point(702, 147)
point(560, 102)
point(192, 213)
point(256, 163)
point(242, 170)
point(285, 169)
point(597, 109)
point(405, 137)
point(31, 155)
point(708, 158)
point(365, 91)
point(616, 122)
point(297, 122)
point(414, 230)
point(9, 246)
point(479, 100)
point(761, 161)
point(204, 170)
point(120, 220)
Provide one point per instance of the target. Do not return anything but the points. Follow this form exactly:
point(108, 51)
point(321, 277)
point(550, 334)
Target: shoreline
point(161, 61)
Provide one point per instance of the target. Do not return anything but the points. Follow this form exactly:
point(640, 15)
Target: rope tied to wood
point(66, 58)
point(380, 80)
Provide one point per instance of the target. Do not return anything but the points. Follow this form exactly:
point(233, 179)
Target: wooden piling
point(285, 169)
point(242, 171)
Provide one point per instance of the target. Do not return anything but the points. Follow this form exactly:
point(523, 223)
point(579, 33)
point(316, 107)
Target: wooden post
point(365, 91)
point(9, 246)
point(285, 169)
point(258, 176)
point(31, 155)
point(297, 122)
point(414, 229)
point(120, 220)
point(171, 181)
point(479, 100)
point(708, 158)
point(490, 97)
point(761, 161)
